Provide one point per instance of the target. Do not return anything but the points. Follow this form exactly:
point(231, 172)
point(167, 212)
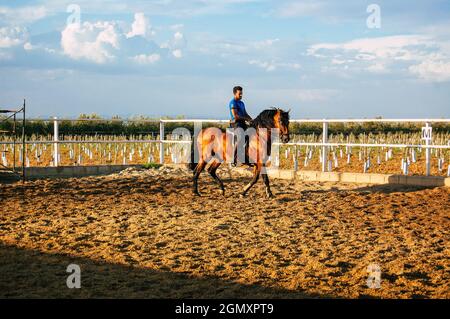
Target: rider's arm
point(246, 116)
point(235, 114)
point(237, 117)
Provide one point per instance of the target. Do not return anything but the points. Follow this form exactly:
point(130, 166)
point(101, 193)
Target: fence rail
point(325, 145)
point(227, 121)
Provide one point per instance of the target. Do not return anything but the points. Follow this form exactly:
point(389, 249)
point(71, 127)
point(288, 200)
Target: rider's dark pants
point(243, 125)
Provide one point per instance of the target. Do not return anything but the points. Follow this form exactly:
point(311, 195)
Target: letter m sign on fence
point(426, 133)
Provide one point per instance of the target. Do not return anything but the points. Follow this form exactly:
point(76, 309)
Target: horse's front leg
point(256, 172)
point(197, 171)
point(266, 182)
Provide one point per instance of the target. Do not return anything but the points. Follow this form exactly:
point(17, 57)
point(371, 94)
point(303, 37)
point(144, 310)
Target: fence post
point(161, 142)
point(427, 153)
point(325, 148)
point(23, 142)
point(56, 140)
point(14, 145)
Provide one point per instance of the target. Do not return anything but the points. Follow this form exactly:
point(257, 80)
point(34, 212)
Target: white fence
point(325, 145)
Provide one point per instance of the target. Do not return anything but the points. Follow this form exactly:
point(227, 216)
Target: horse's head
point(274, 118)
point(281, 122)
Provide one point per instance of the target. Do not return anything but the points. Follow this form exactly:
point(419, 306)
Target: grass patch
point(152, 166)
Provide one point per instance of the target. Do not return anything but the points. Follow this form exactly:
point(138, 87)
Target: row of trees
point(144, 125)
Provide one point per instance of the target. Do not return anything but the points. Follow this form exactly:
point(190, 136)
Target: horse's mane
point(265, 118)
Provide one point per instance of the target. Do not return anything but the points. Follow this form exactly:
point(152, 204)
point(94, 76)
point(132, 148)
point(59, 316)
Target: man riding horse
point(238, 116)
point(211, 147)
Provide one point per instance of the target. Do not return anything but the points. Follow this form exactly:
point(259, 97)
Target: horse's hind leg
point(212, 170)
point(256, 172)
point(197, 171)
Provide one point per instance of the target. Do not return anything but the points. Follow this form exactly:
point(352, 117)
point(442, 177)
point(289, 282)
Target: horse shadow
point(34, 274)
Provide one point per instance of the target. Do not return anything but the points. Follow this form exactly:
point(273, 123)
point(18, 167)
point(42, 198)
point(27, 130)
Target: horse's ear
point(289, 111)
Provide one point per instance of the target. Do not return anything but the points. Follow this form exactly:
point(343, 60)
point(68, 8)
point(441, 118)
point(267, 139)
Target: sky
point(321, 59)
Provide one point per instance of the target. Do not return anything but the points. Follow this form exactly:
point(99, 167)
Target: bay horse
point(213, 147)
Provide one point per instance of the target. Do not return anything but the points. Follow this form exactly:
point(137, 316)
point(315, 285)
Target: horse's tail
point(192, 164)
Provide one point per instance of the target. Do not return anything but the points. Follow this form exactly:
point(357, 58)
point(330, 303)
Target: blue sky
point(182, 57)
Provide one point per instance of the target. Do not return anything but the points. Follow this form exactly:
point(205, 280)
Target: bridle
point(280, 124)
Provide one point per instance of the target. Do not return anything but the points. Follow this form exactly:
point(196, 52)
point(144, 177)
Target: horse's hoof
point(243, 195)
point(270, 196)
point(197, 194)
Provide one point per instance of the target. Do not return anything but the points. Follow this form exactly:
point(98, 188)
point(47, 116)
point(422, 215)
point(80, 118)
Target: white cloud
point(28, 46)
point(296, 9)
point(178, 36)
point(364, 56)
point(270, 66)
point(370, 48)
point(433, 71)
point(177, 53)
point(175, 45)
point(5, 55)
point(377, 68)
point(92, 41)
point(147, 59)
point(140, 27)
point(178, 41)
point(423, 56)
point(173, 8)
point(213, 45)
point(22, 15)
point(265, 43)
point(51, 51)
point(338, 61)
point(176, 27)
point(112, 41)
point(12, 36)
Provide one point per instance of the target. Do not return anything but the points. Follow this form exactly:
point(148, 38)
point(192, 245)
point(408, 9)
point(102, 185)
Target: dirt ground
point(143, 234)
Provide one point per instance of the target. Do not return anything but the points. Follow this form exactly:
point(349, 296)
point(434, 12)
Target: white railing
point(325, 144)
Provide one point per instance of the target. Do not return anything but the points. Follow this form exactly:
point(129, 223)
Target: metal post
point(55, 139)
point(161, 142)
point(427, 153)
point(23, 143)
point(325, 148)
point(14, 144)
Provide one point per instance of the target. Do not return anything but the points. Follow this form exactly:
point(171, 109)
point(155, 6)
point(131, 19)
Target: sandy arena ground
point(142, 234)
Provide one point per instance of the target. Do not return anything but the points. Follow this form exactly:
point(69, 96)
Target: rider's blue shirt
point(239, 106)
